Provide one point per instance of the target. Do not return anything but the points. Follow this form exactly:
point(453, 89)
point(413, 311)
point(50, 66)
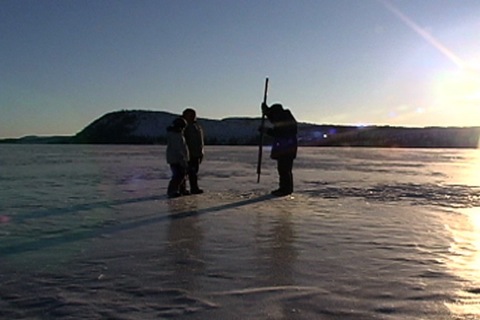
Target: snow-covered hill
point(147, 127)
point(150, 127)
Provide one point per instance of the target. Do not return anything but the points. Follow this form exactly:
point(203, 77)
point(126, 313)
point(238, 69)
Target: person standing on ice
point(194, 138)
point(284, 147)
point(177, 156)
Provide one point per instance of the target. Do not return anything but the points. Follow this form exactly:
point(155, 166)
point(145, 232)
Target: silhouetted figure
point(284, 148)
point(177, 156)
point(194, 139)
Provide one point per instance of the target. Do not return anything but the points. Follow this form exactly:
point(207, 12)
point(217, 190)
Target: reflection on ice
point(465, 230)
point(184, 238)
point(465, 259)
point(276, 245)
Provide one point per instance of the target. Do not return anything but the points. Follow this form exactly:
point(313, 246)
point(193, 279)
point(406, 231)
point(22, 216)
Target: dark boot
point(183, 189)
point(194, 184)
point(281, 193)
point(172, 191)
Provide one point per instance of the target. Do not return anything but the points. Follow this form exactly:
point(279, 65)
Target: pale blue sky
point(65, 63)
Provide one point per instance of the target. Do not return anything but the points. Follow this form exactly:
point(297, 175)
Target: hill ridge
point(149, 127)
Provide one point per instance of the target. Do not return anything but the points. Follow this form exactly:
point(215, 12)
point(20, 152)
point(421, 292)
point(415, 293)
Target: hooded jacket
point(177, 151)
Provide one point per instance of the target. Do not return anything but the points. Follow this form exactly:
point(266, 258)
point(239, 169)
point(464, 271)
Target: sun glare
point(457, 95)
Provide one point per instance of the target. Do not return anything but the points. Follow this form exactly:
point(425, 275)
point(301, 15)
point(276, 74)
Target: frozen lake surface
point(86, 232)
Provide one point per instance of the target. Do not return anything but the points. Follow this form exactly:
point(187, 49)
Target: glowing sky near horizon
point(397, 62)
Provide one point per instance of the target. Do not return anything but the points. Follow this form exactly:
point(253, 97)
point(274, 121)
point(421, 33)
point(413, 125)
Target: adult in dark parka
point(284, 147)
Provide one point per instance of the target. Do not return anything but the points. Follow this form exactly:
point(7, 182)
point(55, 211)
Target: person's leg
point(289, 175)
point(178, 177)
point(284, 168)
point(183, 188)
point(193, 167)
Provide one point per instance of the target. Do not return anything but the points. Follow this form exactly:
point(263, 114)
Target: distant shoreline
point(139, 127)
point(70, 140)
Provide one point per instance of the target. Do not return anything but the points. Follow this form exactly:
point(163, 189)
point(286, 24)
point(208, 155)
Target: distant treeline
point(433, 137)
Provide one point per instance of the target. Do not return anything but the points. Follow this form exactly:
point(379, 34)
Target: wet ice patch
point(452, 196)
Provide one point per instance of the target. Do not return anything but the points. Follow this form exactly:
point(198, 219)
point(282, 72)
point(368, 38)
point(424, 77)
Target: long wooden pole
point(262, 126)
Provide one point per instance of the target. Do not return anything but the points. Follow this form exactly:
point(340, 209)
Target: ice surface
point(87, 232)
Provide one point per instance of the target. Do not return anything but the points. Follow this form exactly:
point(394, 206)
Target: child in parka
point(177, 156)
